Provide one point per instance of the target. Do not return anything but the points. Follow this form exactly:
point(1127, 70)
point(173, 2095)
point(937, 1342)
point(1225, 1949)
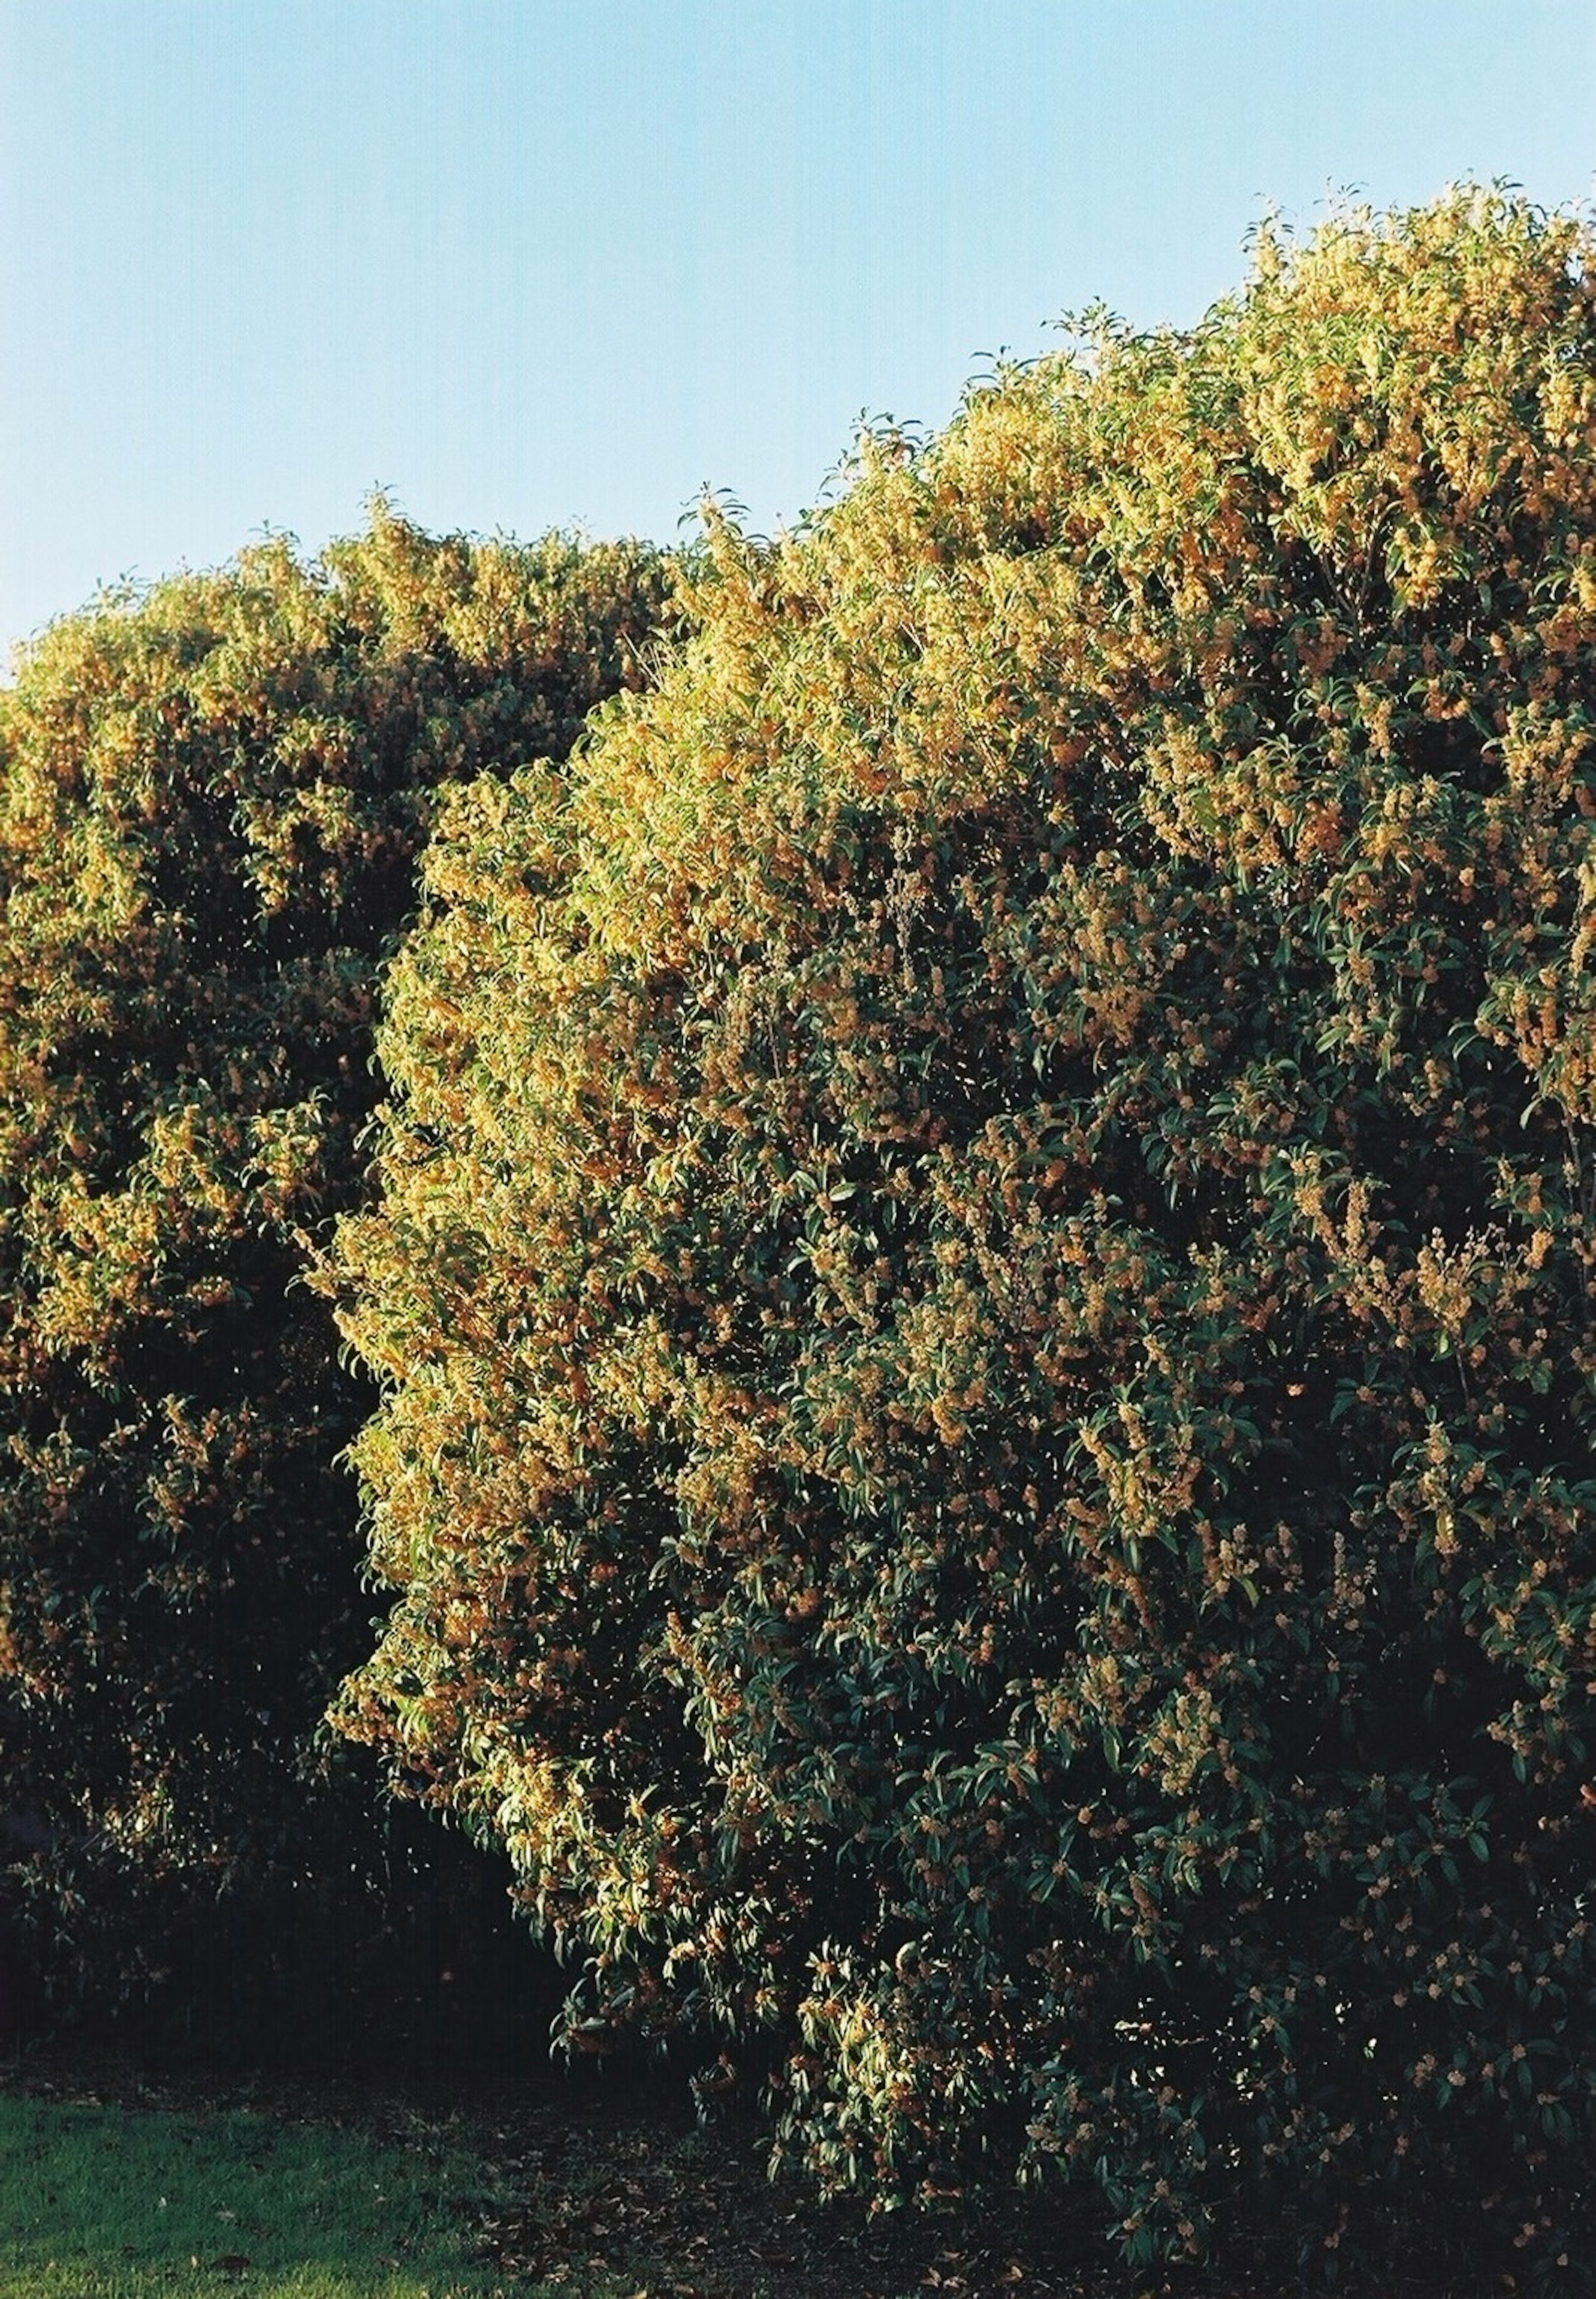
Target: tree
point(212, 796)
point(982, 1278)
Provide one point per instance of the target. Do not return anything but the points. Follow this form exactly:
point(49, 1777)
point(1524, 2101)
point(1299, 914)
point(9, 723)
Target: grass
point(115, 2184)
point(105, 2196)
point(102, 2201)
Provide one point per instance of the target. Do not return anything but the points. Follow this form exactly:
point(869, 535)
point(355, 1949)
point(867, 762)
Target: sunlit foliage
point(212, 798)
point(984, 1277)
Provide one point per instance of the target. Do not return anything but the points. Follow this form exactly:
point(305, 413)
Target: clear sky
point(538, 262)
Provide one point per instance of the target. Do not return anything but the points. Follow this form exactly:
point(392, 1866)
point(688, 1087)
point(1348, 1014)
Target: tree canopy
point(213, 795)
point(983, 1277)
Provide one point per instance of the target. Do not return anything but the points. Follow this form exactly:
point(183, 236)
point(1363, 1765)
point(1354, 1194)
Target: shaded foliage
point(983, 1278)
point(211, 799)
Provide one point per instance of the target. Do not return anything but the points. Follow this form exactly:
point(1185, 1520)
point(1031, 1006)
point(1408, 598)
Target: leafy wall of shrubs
point(212, 796)
point(984, 1277)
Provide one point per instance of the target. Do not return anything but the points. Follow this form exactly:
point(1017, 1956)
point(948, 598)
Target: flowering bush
point(984, 1277)
point(211, 797)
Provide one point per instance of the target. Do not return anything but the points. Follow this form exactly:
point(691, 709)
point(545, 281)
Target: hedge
point(213, 795)
point(983, 1280)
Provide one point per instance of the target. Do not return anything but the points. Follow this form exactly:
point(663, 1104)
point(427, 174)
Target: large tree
point(983, 1278)
point(213, 795)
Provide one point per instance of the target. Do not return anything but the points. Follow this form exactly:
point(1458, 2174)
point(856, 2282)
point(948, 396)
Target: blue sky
point(537, 262)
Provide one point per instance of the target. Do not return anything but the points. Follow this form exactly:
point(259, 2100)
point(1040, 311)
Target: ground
point(615, 2191)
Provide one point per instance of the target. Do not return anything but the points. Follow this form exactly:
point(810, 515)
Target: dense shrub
point(985, 1274)
point(212, 798)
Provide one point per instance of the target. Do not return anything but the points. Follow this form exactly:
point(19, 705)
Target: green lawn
point(105, 2203)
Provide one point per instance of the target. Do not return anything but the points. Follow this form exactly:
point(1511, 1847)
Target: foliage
point(212, 798)
point(984, 1277)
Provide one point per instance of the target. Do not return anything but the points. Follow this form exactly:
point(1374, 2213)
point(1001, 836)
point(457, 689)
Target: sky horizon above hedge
point(532, 267)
